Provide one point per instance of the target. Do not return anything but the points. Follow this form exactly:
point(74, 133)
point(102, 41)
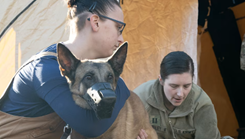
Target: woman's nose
point(120, 39)
point(180, 92)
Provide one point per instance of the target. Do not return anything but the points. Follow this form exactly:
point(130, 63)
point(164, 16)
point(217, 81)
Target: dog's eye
point(89, 77)
point(110, 77)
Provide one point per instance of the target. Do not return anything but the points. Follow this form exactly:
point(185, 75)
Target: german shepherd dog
point(132, 116)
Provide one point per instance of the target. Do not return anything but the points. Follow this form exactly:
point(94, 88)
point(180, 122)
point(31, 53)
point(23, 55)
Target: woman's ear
point(160, 79)
point(94, 21)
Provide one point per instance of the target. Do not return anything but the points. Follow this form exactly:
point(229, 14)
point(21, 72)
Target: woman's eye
point(120, 28)
point(186, 86)
point(174, 86)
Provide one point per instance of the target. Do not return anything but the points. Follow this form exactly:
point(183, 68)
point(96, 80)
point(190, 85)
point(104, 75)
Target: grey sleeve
point(205, 122)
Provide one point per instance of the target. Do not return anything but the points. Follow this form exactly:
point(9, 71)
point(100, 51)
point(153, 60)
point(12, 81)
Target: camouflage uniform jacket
point(194, 118)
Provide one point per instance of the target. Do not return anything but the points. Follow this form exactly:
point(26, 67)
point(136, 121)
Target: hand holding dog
point(142, 134)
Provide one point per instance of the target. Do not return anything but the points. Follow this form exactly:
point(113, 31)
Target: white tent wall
point(154, 28)
point(39, 26)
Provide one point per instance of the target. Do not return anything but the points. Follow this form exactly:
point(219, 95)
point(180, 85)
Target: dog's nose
point(108, 95)
point(106, 105)
point(109, 100)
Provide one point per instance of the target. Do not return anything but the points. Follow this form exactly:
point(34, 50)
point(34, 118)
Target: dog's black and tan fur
point(81, 75)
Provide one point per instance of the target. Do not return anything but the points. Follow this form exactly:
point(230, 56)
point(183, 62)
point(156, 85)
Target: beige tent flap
point(38, 27)
point(155, 28)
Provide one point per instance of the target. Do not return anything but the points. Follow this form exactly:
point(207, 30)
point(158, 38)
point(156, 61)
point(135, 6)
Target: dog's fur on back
point(81, 75)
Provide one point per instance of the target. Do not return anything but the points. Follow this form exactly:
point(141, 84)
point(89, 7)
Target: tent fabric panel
point(7, 59)
point(41, 25)
point(155, 28)
point(10, 9)
point(212, 82)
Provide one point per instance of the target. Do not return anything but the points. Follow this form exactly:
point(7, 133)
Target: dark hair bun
point(70, 3)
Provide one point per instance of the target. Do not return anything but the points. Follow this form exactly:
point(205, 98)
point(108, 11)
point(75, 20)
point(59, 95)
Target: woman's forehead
point(116, 13)
point(183, 78)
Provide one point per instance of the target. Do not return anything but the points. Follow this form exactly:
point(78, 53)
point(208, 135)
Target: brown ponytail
point(70, 3)
point(78, 9)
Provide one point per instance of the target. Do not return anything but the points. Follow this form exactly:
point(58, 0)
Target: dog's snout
point(108, 95)
point(109, 100)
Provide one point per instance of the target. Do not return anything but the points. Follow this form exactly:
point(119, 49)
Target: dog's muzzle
point(101, 98)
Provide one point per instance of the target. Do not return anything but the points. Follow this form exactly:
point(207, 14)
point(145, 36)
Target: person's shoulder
point(145, 85)
point(120, 80)
point(144, 89)
point(122, 88)
point(47, 63)
point(121, 83)
point(46, 68)
point(200, 96)
point(51, 48)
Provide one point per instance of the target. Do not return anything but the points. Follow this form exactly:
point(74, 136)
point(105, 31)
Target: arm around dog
point(59, 97)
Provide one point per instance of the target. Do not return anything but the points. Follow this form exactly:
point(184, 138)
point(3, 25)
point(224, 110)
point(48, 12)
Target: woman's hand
point(142, 134)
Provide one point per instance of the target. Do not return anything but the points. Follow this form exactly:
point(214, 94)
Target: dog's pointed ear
point(118, 59)
point(67, 61)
